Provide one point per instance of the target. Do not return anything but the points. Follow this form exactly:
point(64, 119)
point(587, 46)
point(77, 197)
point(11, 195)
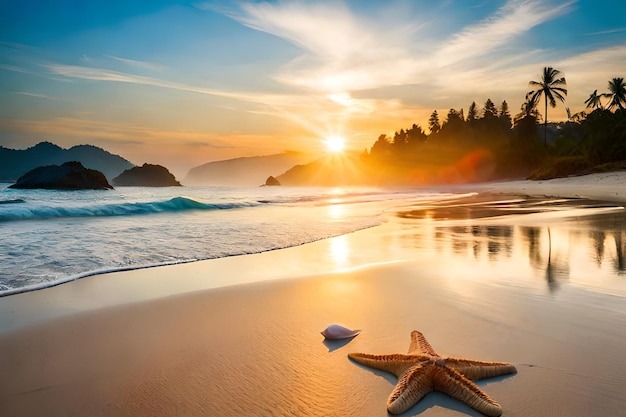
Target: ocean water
point(50, 237)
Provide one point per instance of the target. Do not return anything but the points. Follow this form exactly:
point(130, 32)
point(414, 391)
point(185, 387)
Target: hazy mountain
point(246, 171)
point(331, 170)
point(16, 162)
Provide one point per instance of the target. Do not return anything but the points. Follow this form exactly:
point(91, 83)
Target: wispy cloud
point(512, 20)
point(340, 50)
point(345, 52)
point(15, 68)
point(278, 105)
point(35, 95)
point(19, 47)
point(102, 74)
point(608, 32)
point(151, 66)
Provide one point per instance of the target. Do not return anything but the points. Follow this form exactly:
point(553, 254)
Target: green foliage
point(415, 137)
point(562, 167)
point(487, 145)
point(610, 166)
point(594, 101)
point(605, 135)
point(490, 111)
point(566, 145)
point(459, 150)
point(433, 122)
point(472, 113)
point(552, 86)
point(505, 115)
point(616, 94)
point(381, 148)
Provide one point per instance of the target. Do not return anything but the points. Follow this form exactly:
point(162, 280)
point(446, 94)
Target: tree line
point(505, 146)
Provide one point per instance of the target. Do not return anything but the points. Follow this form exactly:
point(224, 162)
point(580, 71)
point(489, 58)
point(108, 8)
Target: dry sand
point(158, 342)
point(609, 186)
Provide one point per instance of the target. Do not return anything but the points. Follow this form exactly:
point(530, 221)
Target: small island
point(271, 182)
point(147, 175)
point(68, 176)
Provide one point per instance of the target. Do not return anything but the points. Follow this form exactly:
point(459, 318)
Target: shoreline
point(148, 342)
point(597, 186)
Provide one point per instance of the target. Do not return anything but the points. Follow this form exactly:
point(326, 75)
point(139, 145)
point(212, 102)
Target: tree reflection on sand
point(552, 235)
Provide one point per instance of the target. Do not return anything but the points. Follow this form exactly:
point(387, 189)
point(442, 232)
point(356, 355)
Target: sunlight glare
point(340, 251)
point(335, 144)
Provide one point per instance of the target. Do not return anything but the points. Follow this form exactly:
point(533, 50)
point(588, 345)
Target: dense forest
point(488, 142)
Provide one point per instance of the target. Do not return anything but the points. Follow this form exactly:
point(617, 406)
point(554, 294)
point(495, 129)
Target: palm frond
point(559, 95)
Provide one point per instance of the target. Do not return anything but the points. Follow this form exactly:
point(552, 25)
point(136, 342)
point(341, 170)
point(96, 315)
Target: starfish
point(422, 370)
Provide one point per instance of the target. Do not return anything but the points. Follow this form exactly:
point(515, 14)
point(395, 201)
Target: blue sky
point(181, 83)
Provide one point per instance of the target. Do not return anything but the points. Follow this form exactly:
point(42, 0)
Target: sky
point(182, 83)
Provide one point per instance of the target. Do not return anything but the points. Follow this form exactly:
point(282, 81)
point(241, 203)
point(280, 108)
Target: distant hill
point(16, 162)
point(330, 171)
point(246, 171)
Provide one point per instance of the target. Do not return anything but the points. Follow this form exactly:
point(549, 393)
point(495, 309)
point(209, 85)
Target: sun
point(335, 144)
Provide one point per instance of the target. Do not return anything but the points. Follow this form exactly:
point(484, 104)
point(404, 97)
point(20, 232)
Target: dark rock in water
point(69, 176)
point(271, 181)
point(146, 176)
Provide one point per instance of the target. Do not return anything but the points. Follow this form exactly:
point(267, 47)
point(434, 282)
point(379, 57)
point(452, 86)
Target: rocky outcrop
point(147, 175)
point(69, 176)
point(271, 181)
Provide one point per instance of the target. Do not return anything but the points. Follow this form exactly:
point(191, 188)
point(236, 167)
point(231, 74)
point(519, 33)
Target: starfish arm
point(419, 344)
point(479, 369)
point(450, 382)
point(411, 387)
point(396, 364)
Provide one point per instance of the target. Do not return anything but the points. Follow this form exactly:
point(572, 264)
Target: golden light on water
point(337, 211)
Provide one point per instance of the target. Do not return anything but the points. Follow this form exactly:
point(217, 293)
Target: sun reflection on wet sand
point(552, 242)
point(340, 251)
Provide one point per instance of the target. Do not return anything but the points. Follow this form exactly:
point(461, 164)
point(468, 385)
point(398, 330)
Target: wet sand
point(541, 287)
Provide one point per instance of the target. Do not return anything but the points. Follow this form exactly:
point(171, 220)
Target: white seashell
point(335, 331)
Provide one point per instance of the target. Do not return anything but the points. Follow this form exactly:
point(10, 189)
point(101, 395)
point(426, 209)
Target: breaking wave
point(24, 211)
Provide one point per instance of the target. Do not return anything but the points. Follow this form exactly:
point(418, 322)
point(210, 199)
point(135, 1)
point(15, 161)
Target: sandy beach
point(161, 342)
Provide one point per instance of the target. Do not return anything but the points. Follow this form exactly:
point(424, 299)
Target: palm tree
point(528, 109)
point(617, 93)
point(593, 102)
point(552, 86)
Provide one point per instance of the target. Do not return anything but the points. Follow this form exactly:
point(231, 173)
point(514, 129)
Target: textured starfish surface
point(422, 370)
